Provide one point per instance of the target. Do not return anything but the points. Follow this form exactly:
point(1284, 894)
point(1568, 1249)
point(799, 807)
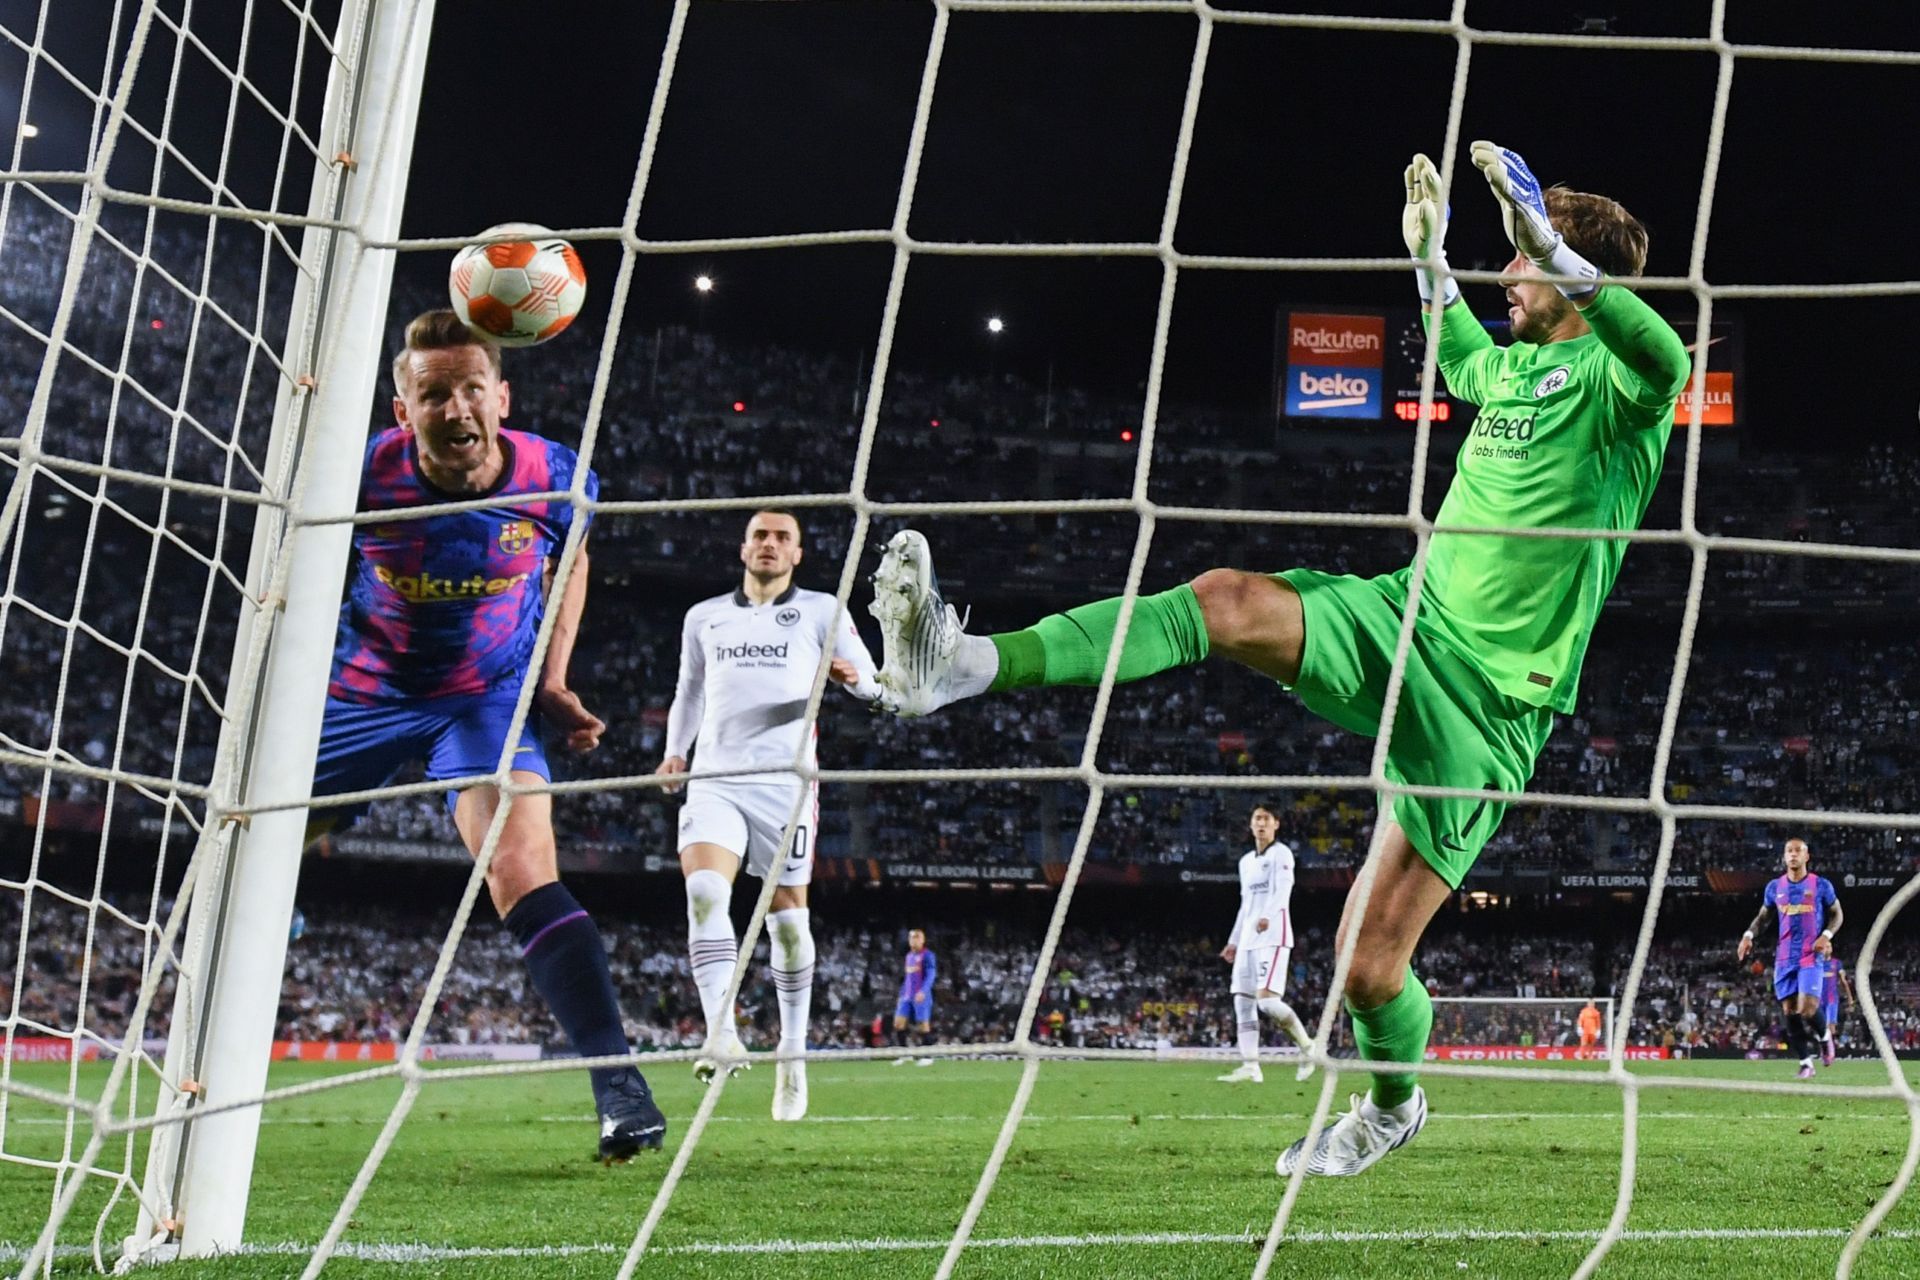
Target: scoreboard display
point(1364, 366)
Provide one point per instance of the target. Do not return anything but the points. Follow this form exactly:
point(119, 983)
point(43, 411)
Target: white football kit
point(745, 673)
point(1266, 893)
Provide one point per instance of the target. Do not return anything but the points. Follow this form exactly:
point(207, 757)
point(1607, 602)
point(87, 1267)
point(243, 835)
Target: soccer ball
point(520, 292)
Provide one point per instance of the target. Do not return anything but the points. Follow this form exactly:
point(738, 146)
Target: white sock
point(1282, 1012)
point(790, 937)
point(1246, 1021)
point(975, 663)
point(711, 946)
point(1402, 1113)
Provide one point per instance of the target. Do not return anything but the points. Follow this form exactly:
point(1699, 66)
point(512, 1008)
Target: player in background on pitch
point(913, 1014)
point(1589, 1025)
point(1798, 897)
point(1574, 420)
point(1260, 945)
point(747, 662)
point(436, 637)
point(1833, 982)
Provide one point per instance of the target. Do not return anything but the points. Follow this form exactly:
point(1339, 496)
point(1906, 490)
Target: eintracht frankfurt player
point(436, 637)
point(1574, 419)
point(1261, 944)
point(747, 662)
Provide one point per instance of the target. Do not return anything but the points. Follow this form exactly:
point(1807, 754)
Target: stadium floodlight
point(995, 324)
point(703, 284)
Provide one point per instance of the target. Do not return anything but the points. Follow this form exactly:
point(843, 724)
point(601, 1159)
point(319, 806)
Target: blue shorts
point(1830, 1006)
point(1789, 982)
point(919, 1009)
point(365, 746)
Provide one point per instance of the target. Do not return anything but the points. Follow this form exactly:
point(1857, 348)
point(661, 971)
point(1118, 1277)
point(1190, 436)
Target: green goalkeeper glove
point(1423, 225)
point(1523, 208)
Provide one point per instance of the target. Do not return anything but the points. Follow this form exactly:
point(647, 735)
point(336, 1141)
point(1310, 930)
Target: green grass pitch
point(1119, 1170)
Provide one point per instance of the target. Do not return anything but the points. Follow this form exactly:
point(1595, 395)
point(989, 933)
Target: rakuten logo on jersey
point(740, 652)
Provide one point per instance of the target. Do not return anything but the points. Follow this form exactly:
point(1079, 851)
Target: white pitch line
point(1117, 1117)
point(407, 1254)
point(1114, 1117)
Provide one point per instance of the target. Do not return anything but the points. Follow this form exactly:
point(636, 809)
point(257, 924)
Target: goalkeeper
point(1574, 418)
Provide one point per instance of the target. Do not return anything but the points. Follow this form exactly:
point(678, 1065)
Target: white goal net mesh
point(142, 387)
point(157, 172)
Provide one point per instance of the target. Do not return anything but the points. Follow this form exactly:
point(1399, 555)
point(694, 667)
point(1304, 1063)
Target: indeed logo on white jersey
point(734, 652)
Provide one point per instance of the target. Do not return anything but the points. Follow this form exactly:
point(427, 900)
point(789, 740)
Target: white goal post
point(199, 1173)
point(229, 927)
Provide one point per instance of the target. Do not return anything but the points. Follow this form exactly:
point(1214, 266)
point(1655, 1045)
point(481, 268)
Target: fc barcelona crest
point(516, 536)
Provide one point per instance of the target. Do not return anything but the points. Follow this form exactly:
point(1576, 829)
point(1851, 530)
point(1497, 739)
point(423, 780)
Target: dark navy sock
point(568, 962)
point(1797, 1036)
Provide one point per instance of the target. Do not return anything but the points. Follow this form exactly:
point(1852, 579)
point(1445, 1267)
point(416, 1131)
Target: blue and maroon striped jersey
point(921, 968)
point(1802, 907)
point(448, 605)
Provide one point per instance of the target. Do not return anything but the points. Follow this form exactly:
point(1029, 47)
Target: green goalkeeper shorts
point(1452, 729)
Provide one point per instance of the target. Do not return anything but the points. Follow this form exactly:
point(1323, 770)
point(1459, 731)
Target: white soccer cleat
point(904, 1060)
point(919, 631)
point(1357, 1139)
point(727, 1052)
point(1305, 1069)
point(1245, 1073)
point(789, 1091)
point(923, 1062)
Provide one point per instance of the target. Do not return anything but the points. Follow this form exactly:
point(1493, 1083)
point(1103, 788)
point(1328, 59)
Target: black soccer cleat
point(629, 1120)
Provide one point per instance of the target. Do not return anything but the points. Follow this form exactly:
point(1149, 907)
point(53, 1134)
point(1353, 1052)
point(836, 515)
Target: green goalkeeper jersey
point(1569, 435)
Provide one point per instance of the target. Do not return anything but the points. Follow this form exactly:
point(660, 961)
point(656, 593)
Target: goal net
point(193, 326)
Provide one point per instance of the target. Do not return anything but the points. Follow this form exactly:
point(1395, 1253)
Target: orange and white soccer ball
point(518, 292)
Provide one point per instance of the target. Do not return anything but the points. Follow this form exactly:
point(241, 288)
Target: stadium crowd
point(359, 975)
point(118, 615)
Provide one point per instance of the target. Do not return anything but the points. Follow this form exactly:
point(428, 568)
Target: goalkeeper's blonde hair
point(1599, 230)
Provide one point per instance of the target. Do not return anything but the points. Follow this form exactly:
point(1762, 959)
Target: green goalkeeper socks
point(1396, 1031)
point(1166, 631)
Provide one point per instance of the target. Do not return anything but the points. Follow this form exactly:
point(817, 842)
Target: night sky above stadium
point(795, 117)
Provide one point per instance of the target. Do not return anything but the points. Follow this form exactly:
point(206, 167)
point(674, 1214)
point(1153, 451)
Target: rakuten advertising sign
point(1334, 365)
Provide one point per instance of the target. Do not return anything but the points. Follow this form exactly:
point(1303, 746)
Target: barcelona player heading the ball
point(436, 638)
point(1573, 423)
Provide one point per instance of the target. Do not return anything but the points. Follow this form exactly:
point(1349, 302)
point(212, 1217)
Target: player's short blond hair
point(440, 330)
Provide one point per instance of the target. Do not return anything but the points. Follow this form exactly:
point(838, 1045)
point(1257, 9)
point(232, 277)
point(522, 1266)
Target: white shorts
point(1257, 969)
point(748, 819)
